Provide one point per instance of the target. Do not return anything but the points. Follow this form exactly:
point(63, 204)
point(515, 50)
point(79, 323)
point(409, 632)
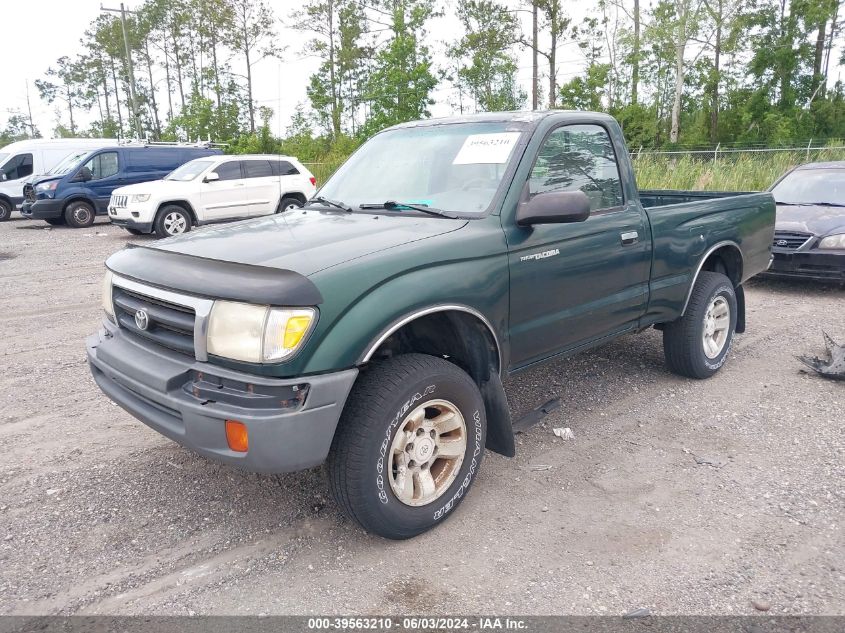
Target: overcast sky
point(40, 31)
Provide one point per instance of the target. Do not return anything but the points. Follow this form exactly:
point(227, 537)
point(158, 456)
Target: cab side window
point(101, 166)
point(19, 166)
point(230, 170)
point(579, 157)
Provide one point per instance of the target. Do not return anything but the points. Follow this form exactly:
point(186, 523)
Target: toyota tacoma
point(372, 329)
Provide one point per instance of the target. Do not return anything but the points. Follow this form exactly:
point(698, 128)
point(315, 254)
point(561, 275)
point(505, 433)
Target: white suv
point(212, 189)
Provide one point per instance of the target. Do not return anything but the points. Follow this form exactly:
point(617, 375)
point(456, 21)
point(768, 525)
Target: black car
point(809, 240)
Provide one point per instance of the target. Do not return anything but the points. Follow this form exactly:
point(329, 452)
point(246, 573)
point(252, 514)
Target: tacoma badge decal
point(539, 256)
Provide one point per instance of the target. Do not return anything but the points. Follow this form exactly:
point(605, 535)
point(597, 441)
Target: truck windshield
point(812, 186)
point(68, 163)
point(188, 171)
point(454, 167)
point(3, 157)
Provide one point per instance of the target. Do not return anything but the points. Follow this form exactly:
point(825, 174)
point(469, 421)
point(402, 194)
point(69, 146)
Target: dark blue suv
point(84, 190)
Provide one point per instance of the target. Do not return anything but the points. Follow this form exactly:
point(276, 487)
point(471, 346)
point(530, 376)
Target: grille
point(169, 324)
point(119, 201)
point(29, 192)
point(790, 240)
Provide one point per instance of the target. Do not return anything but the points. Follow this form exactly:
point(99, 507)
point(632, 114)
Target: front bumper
point(820, 266)
point(290, 422)
point(132, 217)
point(42, 209)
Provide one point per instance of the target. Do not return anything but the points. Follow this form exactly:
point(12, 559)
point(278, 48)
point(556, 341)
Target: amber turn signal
point(237, 436)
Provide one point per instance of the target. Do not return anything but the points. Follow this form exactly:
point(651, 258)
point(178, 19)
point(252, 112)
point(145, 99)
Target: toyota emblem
point(142, 320)
point(782, 243)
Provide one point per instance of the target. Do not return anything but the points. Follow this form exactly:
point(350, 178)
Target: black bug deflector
point(215, 279)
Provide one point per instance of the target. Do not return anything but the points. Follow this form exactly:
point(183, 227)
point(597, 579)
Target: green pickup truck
point(373, 328)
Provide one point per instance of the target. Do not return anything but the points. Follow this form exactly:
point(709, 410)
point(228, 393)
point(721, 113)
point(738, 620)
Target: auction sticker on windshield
point(486, 148)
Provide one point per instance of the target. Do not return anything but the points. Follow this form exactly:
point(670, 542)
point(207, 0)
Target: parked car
point(212, 189)
point(77, 196)
point(23, 159)
point(809, 240)
point(373, 327)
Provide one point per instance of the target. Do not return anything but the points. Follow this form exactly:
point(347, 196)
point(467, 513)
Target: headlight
point(47, 186)
point(108, 306)
point(256, 334)
point(139, 197)
point(833, 242)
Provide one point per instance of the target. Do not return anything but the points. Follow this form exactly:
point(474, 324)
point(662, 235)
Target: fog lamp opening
point(237, 436)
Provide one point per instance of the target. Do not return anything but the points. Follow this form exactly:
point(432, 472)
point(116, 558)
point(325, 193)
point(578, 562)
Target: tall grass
point(740, 171)
point(737, 171)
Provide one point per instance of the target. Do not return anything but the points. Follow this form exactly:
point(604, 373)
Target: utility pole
point(29, 110)
point(535, 67)
point(133, 104)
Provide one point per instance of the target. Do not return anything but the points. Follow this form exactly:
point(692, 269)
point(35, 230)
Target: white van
point(20, 160)
point(212, 189)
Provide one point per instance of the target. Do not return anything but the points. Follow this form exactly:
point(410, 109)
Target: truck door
point(572, 284)
point(225, 197)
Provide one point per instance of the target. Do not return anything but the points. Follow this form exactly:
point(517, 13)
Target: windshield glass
point(3, 157)
point(454, 167)
point(807, 186)
point(68, 163)
point(188, 171)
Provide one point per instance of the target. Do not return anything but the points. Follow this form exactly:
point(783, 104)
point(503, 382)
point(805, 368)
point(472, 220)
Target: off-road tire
point(289, 203)
point(79, 214)
point(683, 344)
point(383, 395)
point(5, 210)
point(164, 213)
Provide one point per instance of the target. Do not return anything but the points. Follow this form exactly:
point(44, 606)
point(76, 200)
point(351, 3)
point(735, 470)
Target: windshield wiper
point(337, 204)
point(392, 205)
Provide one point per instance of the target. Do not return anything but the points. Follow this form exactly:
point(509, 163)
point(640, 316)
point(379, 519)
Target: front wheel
point(408, 445)
point(5, 210)
point(172, 220)
point(79, 214)
point(697, 344)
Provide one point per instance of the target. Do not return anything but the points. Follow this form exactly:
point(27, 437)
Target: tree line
point(674, 72)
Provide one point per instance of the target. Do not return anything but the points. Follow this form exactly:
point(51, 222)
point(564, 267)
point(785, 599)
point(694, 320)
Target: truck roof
point(529, 117)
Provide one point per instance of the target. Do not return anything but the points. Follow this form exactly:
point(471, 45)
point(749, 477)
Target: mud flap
point(499, 427)
point(740, 309)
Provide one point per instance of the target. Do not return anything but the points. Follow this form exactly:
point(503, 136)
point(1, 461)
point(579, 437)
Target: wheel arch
point(723, 257)
point(5, 198)
point(294, 194)
point(79, 198)
point(466, 338)
point(179, 203)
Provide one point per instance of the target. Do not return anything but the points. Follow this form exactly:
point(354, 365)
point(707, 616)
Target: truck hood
point(309, 241)
point(818, 220)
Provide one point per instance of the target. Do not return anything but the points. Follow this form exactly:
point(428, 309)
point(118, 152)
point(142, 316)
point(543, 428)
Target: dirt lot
point(680, 496)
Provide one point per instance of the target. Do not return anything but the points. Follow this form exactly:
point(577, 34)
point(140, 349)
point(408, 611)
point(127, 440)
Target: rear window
point(283, 168)
point(257, 168)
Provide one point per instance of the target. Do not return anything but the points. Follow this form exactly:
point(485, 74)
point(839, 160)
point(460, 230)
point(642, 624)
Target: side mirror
point(3, 177)
point(211, 176)
point(83, 175)
point(554, 207)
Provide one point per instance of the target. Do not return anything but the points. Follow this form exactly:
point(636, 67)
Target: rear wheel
point(79, 214)
point(408, 445)
point(697, 344)
point(172, 220)
point(5, 210)
point(289, 203)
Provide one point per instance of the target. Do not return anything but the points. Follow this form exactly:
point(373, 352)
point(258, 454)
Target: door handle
point(631, 237)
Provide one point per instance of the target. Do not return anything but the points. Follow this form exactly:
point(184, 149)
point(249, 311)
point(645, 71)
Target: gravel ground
point(680, 496)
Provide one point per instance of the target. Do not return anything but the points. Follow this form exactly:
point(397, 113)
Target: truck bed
point(663, 197)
